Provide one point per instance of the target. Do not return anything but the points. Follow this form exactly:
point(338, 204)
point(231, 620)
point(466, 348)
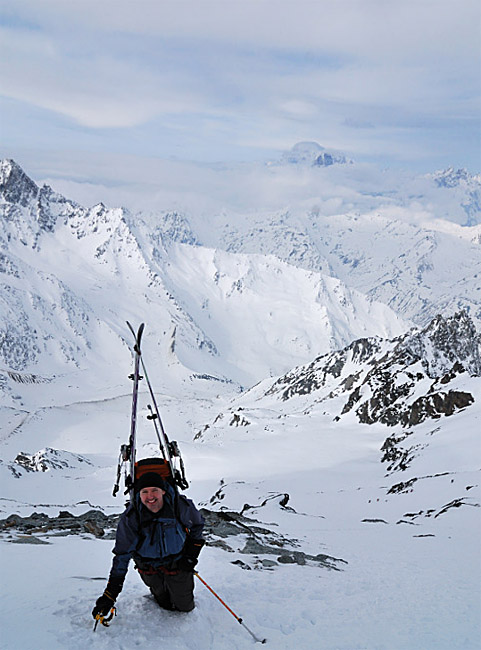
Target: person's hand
point(191, 550)
point(103, 606)
point(106, 601)
point(186, 563)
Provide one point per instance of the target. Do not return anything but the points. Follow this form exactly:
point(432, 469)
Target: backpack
point(157, 465)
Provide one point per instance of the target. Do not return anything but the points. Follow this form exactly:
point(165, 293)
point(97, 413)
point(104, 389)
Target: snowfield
point(409, 578)
point(397, 592)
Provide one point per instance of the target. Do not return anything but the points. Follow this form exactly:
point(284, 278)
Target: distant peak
point(451, 177)
point(313, 155)
point(15, 185)
point(8, 168)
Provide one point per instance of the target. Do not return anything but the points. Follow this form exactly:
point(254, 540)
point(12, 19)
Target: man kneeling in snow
point(162, 532)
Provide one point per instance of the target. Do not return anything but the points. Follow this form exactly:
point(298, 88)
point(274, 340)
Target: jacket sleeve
point(190, 517)
point(126, 541)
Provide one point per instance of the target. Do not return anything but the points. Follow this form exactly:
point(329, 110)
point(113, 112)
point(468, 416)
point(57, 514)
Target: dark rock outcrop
point(381, 378)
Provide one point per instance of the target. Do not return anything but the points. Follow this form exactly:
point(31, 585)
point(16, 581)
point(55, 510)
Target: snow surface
point(407, 585)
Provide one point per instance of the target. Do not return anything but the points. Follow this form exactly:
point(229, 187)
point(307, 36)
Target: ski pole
point(238, 619)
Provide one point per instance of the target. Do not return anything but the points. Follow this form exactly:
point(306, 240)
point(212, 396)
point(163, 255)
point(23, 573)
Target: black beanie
point(149, 479)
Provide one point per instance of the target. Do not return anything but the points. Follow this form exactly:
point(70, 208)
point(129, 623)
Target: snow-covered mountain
point(411, 242)
point(312, 154)
point(345, 480)
point(465, 187)
point(418, 271)
point(47, 460)
point(72, 276)
point(423, 374)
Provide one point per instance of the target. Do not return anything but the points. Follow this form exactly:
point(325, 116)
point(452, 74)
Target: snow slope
point(411, 242)
point(411, 578)
point(405, 535)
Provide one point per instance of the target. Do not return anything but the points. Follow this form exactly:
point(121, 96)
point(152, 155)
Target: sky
point(92, 89)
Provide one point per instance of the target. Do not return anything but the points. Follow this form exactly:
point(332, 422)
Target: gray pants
point(172, 592)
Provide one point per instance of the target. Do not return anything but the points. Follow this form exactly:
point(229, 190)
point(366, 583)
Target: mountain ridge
point(403, 381)
point(64, 267)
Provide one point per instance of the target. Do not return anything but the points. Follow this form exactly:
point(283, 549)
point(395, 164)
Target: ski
point(128, 451)
point(169, 449)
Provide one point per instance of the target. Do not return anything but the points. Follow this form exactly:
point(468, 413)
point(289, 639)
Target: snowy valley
point(319, 365)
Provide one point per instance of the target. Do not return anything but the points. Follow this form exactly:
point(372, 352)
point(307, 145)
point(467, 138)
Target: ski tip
point(137, 335)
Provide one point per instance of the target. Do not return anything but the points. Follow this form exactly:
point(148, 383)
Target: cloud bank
point(231, 80)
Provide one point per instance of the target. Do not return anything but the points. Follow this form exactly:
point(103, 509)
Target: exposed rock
point(390, 373)
point(94, 528)
point(15, 185)
point(456, 503)
point(93, 521)
point(50, 459)
point(27, 539)
point(445, 343)
point(282, 499)
point(403, 486)
point(242, 565)
point(398, 457)
point(221, 528)
point(28, 378)
point(435, 405)
point(238, 420)
point(64, 514)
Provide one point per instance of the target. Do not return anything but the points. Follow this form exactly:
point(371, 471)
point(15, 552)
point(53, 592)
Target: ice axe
point(105, 620)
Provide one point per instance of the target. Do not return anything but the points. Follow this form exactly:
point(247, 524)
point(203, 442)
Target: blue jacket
point(154, 538)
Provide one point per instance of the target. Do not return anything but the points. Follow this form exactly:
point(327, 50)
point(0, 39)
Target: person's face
point(152, 498)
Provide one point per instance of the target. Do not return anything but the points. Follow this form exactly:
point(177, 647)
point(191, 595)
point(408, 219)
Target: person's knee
point(183, 602)
point(163, 600)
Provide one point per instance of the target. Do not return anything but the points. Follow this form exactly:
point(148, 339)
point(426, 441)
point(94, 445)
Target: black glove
point(186, 563)
point(192, 548)
point(106, 601)
point(103, 606)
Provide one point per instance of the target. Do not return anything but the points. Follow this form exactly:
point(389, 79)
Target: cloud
point(97, 90)
point(363, 28)
point(224, 78)
point(151, 184)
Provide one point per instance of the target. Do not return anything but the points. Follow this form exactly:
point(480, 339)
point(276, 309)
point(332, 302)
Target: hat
point(149, 479)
